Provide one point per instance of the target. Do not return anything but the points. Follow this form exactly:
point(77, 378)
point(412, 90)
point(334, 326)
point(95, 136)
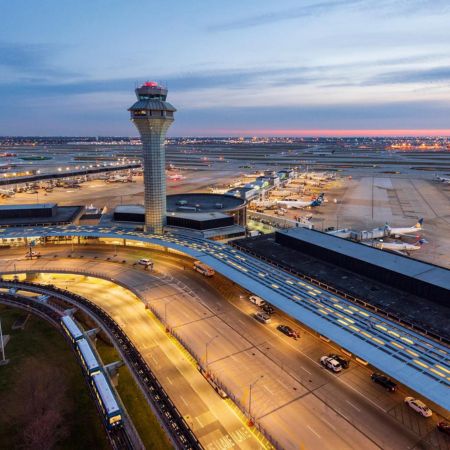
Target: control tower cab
point(152, 115)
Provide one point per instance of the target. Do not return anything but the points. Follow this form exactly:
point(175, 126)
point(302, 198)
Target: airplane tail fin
point(419, 223)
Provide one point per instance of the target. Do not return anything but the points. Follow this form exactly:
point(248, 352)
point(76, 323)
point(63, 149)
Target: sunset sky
point(253, 67)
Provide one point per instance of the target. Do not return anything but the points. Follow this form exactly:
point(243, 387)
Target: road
point(343, 411)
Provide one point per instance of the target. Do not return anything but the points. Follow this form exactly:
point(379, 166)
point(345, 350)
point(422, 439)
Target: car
point(444, 427)
point(330, 363)
point(418, 406)
point(146, 262)
point(288, 331)
point(345, 363)
point(268, 309)
point(384, 381)
point(33, 254)
point(258, 301)
point(261, 317)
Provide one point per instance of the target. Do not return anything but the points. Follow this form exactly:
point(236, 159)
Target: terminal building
point(39, 214)
point(213, 216)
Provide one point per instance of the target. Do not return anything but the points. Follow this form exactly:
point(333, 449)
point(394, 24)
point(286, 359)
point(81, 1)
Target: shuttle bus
point(203, 269)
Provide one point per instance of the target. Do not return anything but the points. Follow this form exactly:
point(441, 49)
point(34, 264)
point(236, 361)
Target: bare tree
point(40, 402)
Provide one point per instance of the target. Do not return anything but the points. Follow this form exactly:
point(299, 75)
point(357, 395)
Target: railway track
point(167, 412)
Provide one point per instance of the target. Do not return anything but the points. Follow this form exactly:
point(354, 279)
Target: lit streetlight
point(250, 399)
point(206, 351)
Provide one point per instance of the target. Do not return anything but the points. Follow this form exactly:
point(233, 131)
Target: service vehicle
point(418, 406)
point(288, 331)
point(262, 317)
point(203, 269)
point(330, 363)
point(384, 381)
point(258, 301)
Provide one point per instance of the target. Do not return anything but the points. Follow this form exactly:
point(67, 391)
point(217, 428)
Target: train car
point(87, 356)
point(71, 328)
point(111, 412)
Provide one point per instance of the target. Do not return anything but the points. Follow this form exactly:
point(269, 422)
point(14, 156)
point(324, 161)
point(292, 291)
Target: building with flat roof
point(38, 214)
point(419, 278)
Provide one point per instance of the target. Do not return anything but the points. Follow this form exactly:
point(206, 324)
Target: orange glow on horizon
point(331, 133)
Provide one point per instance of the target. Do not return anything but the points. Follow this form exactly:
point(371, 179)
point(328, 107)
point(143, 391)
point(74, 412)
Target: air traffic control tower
point(153, 116)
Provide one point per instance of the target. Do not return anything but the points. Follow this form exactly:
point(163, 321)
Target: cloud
point(287, 14)
point(432, 75)
point(31, 61)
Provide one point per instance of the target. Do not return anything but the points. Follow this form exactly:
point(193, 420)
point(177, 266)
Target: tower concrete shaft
point(152, 115)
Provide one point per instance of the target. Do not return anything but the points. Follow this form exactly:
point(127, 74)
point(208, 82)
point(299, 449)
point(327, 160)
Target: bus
point(203, 269)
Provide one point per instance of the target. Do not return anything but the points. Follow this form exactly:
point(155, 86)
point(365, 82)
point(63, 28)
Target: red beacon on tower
point(151, 84)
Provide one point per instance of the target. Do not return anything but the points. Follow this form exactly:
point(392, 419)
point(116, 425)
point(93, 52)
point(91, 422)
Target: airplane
point(445, 180)
point(300, 203)
point(399, 231)
point(119, 179)
point(397, 246)
point(7, 193)
point(176, 177)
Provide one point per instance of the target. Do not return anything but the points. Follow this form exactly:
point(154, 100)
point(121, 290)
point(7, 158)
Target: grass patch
point(40, 345)
point(147, 425)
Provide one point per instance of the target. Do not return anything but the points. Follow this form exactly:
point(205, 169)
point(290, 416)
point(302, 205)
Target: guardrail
point(345, 295)
point(162, 404)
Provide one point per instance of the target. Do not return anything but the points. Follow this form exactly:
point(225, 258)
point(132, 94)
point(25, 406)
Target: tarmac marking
point(313, 431)
point(169, 380)
point(183, 400)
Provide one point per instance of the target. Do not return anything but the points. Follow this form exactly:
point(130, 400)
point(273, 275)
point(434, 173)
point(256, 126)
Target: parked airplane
point(397, 246)
point(176, 177)
point(300, 203)
point(7, 193)
point(119, 179)
point(408, 230)
point(445, 180)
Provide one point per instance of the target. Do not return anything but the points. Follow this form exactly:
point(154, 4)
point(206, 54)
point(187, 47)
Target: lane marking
point(351, 404)
point(313, 431)
point(306, 370)
point(183, 400)
point(169, 380)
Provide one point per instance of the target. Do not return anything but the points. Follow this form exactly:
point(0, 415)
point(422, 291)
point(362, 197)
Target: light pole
point(165, 313)
point(250, 423)
point(206, 351)
point(2, 344)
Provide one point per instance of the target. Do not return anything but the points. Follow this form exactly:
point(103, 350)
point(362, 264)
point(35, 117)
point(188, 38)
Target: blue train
point(107, 401)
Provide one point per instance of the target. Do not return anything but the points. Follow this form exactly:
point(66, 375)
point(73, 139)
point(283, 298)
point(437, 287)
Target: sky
point(235, 67)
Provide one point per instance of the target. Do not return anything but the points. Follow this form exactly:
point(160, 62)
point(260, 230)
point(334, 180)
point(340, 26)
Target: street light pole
point(250, 399)
point(206, 351)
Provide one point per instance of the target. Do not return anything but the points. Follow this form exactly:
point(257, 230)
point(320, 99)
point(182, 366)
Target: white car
point(145, 262)
point(330, 363)
point(418, 406)
point(258, 301)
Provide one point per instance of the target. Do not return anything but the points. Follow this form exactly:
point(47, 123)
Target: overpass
point(413, 359)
